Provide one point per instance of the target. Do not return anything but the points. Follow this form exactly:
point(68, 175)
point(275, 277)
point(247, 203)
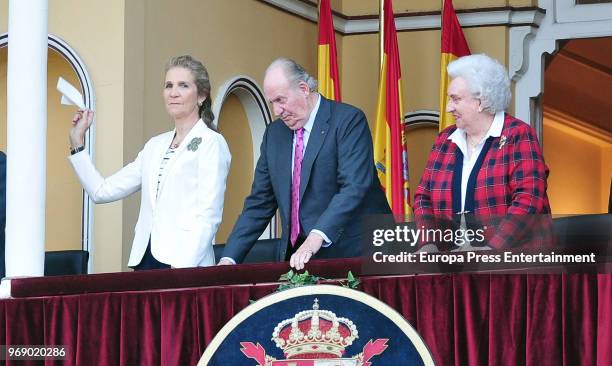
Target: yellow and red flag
point(390, 154)
point(329, 81)
point(453, 46)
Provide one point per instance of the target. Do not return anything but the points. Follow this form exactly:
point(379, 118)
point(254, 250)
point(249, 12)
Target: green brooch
point(194, 144)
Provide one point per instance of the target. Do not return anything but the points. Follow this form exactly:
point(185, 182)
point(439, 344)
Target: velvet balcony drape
point(478, 319)
point(465, 319)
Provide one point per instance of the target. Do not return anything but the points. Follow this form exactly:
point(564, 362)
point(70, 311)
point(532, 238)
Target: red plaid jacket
point(511, 180)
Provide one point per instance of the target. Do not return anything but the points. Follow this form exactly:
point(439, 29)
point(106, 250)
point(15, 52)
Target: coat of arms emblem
point(315, 338)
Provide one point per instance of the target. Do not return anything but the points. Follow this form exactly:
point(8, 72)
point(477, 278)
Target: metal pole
point(381, 34)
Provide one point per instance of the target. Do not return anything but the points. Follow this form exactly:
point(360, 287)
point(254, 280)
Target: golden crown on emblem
point(314, 334)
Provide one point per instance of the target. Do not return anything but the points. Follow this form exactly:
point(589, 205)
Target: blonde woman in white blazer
point(182, 175)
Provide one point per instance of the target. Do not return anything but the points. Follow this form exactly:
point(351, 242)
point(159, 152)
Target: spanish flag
point(453, 46)
point(329, 81)
point(390, 154)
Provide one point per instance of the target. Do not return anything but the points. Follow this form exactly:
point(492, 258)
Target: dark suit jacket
point(2, 210)
point(338, 184)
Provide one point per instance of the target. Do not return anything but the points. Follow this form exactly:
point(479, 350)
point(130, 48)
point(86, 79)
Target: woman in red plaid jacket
point(489, 163)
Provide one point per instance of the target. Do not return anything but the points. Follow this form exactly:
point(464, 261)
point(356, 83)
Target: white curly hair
point(486, 78)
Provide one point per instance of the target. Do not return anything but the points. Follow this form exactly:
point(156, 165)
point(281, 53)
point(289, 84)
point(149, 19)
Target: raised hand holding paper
point(70, 94)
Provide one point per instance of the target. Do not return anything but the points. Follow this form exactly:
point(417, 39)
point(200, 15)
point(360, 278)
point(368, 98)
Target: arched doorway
point(242, 116)
point(421, 131)
point(68, 213)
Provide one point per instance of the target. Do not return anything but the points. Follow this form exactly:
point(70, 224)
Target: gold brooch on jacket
point(502, 142)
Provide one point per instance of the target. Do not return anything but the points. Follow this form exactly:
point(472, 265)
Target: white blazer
point(183, 219)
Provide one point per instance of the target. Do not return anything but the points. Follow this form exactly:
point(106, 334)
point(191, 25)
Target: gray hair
point(486, 78)
point(202, 81)
point(294, 72)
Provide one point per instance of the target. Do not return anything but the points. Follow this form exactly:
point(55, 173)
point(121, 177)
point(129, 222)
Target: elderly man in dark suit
point(316, 166)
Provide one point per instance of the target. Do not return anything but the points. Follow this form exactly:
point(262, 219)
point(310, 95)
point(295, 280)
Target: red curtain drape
point(560, 319)
point(466, 319)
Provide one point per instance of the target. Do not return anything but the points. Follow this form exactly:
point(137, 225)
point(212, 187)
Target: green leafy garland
point(293, 279)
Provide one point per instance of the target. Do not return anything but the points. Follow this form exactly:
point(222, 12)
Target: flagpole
point(381, 34)
point(441, 112)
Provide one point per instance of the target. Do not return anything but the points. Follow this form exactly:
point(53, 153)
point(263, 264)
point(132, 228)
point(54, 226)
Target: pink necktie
point(295, 186)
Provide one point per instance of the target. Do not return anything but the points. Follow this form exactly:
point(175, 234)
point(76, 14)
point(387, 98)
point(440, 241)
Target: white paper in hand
point(70, 94)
